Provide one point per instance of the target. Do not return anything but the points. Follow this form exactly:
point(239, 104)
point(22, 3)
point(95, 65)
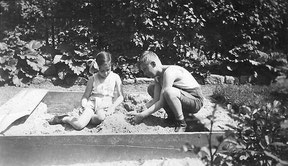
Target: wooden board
point(22, 104)
point(93, 149)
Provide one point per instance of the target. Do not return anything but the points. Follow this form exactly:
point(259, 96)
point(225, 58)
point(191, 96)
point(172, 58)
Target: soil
point(135, 98)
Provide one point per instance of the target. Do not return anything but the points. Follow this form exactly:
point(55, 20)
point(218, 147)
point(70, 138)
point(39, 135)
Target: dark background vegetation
point(58, 37)
point(55, 39)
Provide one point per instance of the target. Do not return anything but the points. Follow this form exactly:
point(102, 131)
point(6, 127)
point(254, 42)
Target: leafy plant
point(262, 136)
point(20, 61)
point(127, 68)
point(70, 61)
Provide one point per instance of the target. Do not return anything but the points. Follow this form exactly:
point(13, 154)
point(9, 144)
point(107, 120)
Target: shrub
point(261, 136)
point(20, 61)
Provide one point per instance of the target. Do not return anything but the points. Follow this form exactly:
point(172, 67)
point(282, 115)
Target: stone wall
point(215, 79)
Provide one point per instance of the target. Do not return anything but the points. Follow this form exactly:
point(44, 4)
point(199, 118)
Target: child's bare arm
point(156, 97)
point(138, 117)
point(154, 107)
point(87, 92)
point(119, 97)
point(168, 79)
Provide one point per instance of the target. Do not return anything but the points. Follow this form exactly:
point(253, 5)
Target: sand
point(37, 124)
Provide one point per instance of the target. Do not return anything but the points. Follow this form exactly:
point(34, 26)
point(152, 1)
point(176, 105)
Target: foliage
point(197, 64)
point(243, 26)
point(225, 30)
point(71, 61)
point(20, 61)
point(261, 136)
point(127, 68)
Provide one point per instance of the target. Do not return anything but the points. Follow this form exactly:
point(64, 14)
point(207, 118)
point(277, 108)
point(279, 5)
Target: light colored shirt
point(103, 91)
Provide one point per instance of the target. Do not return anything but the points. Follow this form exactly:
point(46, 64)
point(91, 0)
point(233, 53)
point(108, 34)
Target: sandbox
point(30, 140)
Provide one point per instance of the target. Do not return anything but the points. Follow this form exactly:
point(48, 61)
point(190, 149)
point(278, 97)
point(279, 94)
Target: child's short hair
point(148, 56)
point(103, 57)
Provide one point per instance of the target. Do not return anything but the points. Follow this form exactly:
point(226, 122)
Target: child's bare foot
point(56, 120)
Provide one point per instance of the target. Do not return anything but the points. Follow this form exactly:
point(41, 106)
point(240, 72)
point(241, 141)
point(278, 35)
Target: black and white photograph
point(143, 83)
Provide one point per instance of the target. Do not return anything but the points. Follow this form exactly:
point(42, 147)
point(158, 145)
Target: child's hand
point(84, 103)
point(142, 108)
point(110, 111)
point(135, 117)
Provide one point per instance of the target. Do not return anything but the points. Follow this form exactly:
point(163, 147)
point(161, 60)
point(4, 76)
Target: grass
point(250, 95)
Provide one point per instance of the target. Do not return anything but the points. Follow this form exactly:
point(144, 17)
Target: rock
point(230, 80)
point(144, 80)
point(38, 80)
point(214, 79)
point(281, 79)
point(244, 79)
point(128, 81)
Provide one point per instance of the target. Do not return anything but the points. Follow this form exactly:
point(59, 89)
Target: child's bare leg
point(79, 122)
point(172, 97)
point(168, 111)
point(98, 117)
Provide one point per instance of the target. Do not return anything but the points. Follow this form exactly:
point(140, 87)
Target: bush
point(20, 61)
point(260, 138)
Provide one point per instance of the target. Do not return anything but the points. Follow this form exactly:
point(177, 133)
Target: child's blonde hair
point(149, 56)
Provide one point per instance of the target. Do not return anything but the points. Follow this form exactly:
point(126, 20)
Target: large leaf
point(3, 59)
point(29, 55)
point(33, 45)
point(37, 64)
point(77, 69)
point(11, 65)
point(57, 59)
point(16, 81)
point(3, 46)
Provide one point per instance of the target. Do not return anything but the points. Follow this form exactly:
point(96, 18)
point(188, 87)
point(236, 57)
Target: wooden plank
point(20, 105)
point(90, 149)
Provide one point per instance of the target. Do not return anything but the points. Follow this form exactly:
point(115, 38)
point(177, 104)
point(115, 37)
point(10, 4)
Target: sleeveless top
point(103, 91)
point(105, 88)
point(187, 82)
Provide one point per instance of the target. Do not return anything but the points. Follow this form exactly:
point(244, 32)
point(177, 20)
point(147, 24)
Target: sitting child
point(174, 89)
point(102, 94)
